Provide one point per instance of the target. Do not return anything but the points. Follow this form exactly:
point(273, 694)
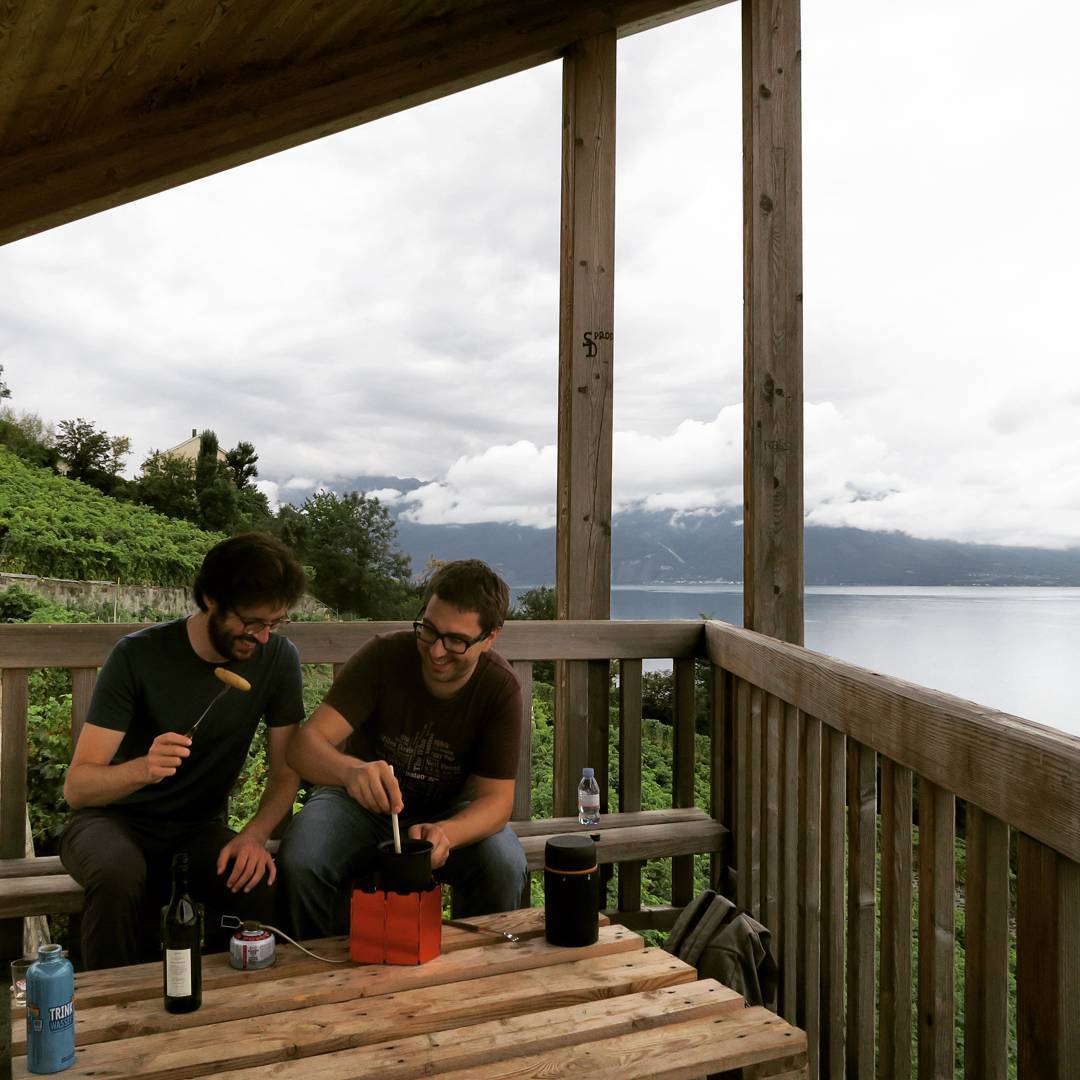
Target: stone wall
point(109, 596)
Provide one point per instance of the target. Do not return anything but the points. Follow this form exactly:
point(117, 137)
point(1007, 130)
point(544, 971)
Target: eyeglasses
point(257, 626)
point(452, 643)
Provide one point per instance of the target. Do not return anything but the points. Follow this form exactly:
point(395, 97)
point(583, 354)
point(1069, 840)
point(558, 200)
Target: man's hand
point(440, 842)
point(165, 756)
point(373, 786)
point(251, 861)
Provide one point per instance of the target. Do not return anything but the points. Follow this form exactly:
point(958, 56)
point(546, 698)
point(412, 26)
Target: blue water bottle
point(50, 1012)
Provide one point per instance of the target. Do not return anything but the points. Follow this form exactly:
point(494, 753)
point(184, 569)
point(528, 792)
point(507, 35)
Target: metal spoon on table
point(480, 929)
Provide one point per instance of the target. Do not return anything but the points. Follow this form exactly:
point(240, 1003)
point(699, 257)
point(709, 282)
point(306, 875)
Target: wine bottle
point(181, 938)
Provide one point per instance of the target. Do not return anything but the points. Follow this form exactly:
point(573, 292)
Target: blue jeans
point(333, 840)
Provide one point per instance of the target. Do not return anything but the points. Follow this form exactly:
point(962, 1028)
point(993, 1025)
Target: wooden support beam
point(586, 338)
point(772, 314)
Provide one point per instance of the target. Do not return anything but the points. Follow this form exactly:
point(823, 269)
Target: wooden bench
point(41, 886)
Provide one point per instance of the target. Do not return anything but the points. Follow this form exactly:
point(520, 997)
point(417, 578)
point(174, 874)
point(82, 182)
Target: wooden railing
point(827, 774)
point(82, 648)
point(826, 758)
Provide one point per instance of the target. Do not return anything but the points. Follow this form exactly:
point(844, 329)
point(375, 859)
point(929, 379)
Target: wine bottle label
point(178, 972)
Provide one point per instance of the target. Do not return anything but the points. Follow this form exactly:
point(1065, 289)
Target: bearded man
point(166, 736)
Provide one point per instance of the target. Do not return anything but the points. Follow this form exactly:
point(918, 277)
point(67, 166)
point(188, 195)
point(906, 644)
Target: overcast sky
point(385, 301)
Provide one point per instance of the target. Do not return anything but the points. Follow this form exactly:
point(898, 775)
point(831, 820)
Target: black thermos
point(571, 890)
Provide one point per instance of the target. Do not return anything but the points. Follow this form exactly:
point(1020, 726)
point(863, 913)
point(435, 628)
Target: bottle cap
point(587, 774)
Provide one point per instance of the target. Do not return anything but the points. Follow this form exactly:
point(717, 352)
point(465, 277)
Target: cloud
point(386, 301)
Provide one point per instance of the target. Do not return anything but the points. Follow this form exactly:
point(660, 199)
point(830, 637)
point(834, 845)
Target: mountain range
point(650, 547)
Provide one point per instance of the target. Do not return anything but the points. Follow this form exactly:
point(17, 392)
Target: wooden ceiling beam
point(183, 133)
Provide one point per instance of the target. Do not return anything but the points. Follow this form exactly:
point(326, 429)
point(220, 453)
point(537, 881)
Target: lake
point(1006, 648)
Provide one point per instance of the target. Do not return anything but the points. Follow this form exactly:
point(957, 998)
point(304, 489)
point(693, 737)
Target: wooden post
point(586, 319)
point(772, 318)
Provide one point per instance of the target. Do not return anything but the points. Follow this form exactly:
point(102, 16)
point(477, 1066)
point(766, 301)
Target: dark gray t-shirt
point(154, 681)
point(434, 744)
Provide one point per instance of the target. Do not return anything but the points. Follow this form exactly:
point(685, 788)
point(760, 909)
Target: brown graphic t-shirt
point(434, 745)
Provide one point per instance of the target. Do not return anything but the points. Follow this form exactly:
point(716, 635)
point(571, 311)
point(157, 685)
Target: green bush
point(56, 527)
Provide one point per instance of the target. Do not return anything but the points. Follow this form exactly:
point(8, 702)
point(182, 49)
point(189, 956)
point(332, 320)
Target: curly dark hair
point(471, 585)
point(249, 569)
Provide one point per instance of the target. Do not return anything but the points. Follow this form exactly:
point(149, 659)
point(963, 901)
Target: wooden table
point(485, 1008)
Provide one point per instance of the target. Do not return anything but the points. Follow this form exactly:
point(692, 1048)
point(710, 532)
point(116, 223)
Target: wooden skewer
point(395, 825)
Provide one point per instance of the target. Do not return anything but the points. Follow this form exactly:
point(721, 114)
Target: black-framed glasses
point(452, 643)
point(257, 626)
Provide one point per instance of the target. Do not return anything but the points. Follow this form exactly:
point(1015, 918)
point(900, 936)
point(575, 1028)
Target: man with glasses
point(426, 724)
point(165, 740)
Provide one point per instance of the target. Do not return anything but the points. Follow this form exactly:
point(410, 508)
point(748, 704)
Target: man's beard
point(224, 640)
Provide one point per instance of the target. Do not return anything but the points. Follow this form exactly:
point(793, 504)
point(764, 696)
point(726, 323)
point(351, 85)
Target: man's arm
point(92, 781)
point(486, 814)
point(314, 754)
point(247, 849)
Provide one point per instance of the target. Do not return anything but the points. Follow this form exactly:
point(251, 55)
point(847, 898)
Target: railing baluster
point(986, 962)
point(744, 814)
point(832, 904)
point(788, 923)
point(523, 785)
point(754, 808)
point(722, 794)
point(629, 772)
point(895, 969)
point(937, 886)
point(82, 690)
point(682, 867)
point(770, 813)
point(862, 830)
point(1047, 963)
point(13, 701)
point(808, 1015)
point(1068, 964)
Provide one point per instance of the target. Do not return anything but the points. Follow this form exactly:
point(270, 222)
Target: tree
point(350, 541)
point(167, 484)
point(535, 603)
point(85, 449)
point(28, 436)
point(213, 487)
point(253, 510)
point(119, 448)
point(241, 461)
point(4, 391)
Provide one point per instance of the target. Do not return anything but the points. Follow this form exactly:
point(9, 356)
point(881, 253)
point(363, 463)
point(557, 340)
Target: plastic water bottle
point(50, 1012)
point(588, 799)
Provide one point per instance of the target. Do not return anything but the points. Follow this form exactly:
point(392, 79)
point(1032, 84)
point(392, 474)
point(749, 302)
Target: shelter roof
point(104, 102)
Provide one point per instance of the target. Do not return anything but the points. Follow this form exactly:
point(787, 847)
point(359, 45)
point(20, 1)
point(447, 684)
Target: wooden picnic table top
point(485, 1008)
